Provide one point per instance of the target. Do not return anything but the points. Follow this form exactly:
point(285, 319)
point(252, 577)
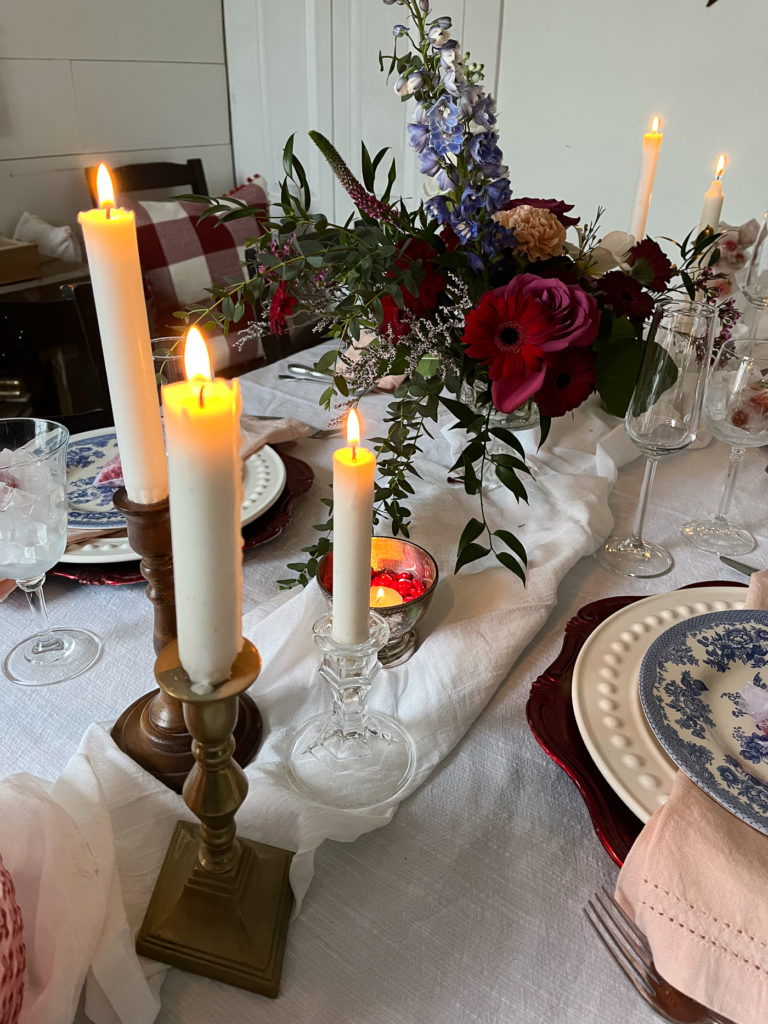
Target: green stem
point(483, 461)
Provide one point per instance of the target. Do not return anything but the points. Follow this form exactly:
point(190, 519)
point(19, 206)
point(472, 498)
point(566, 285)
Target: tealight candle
point(385, 597)
point(353, 471)
point(651, 146)
point(113, 261)
point(202, 426)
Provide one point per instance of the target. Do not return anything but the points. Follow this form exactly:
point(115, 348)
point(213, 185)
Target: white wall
point(577, 84)
point(82, 81)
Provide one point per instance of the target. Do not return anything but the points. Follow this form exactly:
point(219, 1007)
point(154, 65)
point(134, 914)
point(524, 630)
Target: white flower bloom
point(438, 35)
point(611, 253)
point(401, 86)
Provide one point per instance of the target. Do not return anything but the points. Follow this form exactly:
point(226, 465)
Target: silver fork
point(321, 433)
point(630, 950)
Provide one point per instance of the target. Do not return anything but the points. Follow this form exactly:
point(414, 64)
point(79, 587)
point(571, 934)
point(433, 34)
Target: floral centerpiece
point(475, 296)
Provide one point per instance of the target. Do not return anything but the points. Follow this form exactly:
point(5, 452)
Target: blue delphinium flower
point(472, 200)
point(465, 228)
point(418, 135)
point(446, 133)
point(469, 98)
point(429, 162)
point(484, 112)
point(447, 178)
point(437, 209)
point(484, 151)
point(496, 194)
point(496, 237)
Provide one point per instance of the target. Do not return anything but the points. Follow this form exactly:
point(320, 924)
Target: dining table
point(468, 904)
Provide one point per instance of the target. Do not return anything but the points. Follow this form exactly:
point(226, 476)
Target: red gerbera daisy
point(514, 329)
point(649, 265)
point(568, 380)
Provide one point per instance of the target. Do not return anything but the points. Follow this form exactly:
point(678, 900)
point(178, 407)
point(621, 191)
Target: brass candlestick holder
point(221, 904)
point(152, 730)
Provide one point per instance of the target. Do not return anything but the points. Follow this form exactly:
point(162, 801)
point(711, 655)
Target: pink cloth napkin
point(352, 355)
point(695, 883)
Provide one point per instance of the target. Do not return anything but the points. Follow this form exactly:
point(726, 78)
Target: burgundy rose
point(569, 379)
point(626, 295)
point(649, 265)
point(433, 283)
point(556, 206)
point(514, 329)
point(281, 307)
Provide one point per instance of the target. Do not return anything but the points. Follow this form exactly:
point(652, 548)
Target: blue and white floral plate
point(90, 507)
point(690, 680)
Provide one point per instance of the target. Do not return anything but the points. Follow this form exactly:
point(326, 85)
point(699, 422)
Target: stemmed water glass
point(754, 283)
point(736, 411)
point(663, 417)
point(33, 535)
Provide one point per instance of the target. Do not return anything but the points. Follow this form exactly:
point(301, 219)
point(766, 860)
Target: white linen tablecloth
point(467, 906)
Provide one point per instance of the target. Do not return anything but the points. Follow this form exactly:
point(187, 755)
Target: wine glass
point(33, 535)
point(754, 283)
point(736, 411)
point(663, 416)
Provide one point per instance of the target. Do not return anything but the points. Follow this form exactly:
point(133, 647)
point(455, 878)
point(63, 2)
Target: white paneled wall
point(124, 82)
point(577, 84)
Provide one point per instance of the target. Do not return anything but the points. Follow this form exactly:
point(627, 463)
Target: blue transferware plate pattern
point(690, 680)
point(90, 507)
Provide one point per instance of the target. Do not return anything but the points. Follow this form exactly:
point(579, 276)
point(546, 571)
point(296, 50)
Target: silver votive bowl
point(394, 555)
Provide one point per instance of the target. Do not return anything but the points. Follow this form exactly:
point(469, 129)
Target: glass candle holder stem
point(352, 757)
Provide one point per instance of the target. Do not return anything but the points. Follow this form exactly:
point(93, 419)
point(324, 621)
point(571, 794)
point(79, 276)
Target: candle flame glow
point(379, 594)
point(721, 164)
point(353, 428)
point(197, 362)
point(105, 188)
point(656, 124)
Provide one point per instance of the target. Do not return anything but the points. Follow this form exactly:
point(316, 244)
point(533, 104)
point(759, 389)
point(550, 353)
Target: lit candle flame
point(197, 362)
point(379, 595)
point(105, 188)
point(721, 163)
point(353, 428)
point(656, 124)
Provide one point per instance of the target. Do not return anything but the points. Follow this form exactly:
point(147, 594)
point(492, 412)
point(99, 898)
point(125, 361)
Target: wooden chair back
point(189, 176)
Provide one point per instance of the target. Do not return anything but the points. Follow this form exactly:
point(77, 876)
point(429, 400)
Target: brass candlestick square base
point(231, 926)
point(221, 904)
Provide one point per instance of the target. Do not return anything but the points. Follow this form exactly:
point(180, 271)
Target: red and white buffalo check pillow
point(181, 258)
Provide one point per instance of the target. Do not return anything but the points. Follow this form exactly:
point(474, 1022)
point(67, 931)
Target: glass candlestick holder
point(353, 757)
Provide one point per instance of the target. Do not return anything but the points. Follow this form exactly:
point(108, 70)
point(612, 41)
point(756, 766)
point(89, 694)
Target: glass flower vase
point(524, 418)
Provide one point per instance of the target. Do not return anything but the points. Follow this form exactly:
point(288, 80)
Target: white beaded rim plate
point(606, 699)
point(263, 482)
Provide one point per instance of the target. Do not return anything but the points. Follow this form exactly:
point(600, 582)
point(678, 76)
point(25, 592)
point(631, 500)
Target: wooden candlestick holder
point(221, 905)
point(152, 730)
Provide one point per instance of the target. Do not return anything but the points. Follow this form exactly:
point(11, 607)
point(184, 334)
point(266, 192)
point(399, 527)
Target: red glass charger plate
point(551, 720)
point(299, 477)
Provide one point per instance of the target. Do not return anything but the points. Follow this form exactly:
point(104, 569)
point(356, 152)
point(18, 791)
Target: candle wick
point(354, 453)
point(200, 395)
point(109, 212)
